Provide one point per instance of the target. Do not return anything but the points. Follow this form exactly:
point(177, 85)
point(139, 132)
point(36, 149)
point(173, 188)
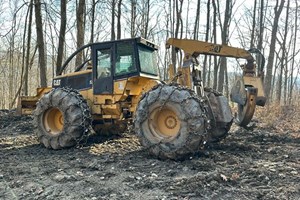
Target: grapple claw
point(246, 111)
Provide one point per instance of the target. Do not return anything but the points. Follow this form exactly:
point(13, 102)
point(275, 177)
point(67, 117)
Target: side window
point(103, 63)
point(147, 60)
point(125, 61)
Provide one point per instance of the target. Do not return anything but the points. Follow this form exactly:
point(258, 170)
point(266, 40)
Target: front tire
point(62, 117)
point(169, 121)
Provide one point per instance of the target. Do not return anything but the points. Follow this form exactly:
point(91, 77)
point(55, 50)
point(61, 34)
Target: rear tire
point(222, 114)
point(169, 121)
point(62, 117)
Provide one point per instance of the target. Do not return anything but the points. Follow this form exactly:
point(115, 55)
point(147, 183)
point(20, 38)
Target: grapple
point(247, 92)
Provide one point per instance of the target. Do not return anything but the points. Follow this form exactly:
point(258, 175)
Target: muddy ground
point(260, 162)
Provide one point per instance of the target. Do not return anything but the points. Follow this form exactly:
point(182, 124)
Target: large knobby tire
point(222, 115)
point(62, 117)
point(169, 121)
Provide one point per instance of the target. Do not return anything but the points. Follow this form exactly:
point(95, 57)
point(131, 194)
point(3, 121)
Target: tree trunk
point(133, 18)
point(226, 83)
point(268, 80)
point(178, 17)
point(285, 89)
point(178, 10)
point(277, 63)
point(62, 33)
point(286, 53)
point(187, 21)
point(145, 19)
point(119, 20)
point(261, 36)
point(40, 43)
point(113, 34)
point(224, 34)
point(206, 40)
point(223, 64)
point(253, 25)
point(283, 57)
point(279, 83)
point(11, 63)
point(290, 96)
point(80, 30)
point(197, 19)
point(209, 72)
point(28, 50)
point(215, 83)
point(92, 21)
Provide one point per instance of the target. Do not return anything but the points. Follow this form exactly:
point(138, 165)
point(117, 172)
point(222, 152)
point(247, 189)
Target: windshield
point(125, 62)
point(147, 60)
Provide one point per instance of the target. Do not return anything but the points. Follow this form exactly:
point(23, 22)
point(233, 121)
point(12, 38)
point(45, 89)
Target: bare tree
point(178, 10)
point(113, 34)
point(283, 63)
point(206, 40)
point(92, 21)
point(197, 19)
point(80, 14)
point(278, 9)
point(26, 64)
point(40, 43)
point(253, 25)
point(224, 35)
point(145, 18)
point(133, 18)
point(291, 84)
point(215, 82)
point(119, 20)
point(62, 33)
point(28, 50)
point(261, 36)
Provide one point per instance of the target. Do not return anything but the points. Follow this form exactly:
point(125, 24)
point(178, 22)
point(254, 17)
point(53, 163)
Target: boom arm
point(195, 47)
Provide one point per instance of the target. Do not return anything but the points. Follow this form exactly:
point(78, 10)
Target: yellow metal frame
point(105, 106)
point(26, 104)
point(255, 82)
point(195, 47)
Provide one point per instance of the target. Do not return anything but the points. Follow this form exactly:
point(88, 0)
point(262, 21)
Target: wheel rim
point(53, 121)
point(164, 123)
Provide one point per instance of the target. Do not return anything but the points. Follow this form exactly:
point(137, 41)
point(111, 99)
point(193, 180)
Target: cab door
point(103, 65)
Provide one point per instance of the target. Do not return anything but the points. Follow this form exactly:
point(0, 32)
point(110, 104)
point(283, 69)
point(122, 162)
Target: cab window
point(125, 61)
point(147, 60)
point(103, 63)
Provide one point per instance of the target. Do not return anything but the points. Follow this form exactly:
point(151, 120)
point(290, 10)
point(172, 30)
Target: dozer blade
point(26, 104)
point(246, 111)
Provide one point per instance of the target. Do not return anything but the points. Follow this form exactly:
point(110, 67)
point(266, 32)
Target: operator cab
point(122, 59)
point(112, 60)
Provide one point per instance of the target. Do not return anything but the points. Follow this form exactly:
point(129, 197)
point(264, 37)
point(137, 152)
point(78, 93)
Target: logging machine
point(120, 84)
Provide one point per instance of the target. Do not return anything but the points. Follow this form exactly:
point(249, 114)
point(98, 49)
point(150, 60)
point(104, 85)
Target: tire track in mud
point(249, 164)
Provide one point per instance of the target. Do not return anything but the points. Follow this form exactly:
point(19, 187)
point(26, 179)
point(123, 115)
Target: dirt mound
point(11, 124)
point(255, 163)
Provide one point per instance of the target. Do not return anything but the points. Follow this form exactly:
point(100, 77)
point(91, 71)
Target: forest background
point(37, 36)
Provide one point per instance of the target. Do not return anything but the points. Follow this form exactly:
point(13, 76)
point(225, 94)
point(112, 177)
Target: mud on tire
point(222, 114)
point(169, 121)
point(62, 117)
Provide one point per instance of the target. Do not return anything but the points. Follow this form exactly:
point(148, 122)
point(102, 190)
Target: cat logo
point(56, 82)
point(216, 48)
